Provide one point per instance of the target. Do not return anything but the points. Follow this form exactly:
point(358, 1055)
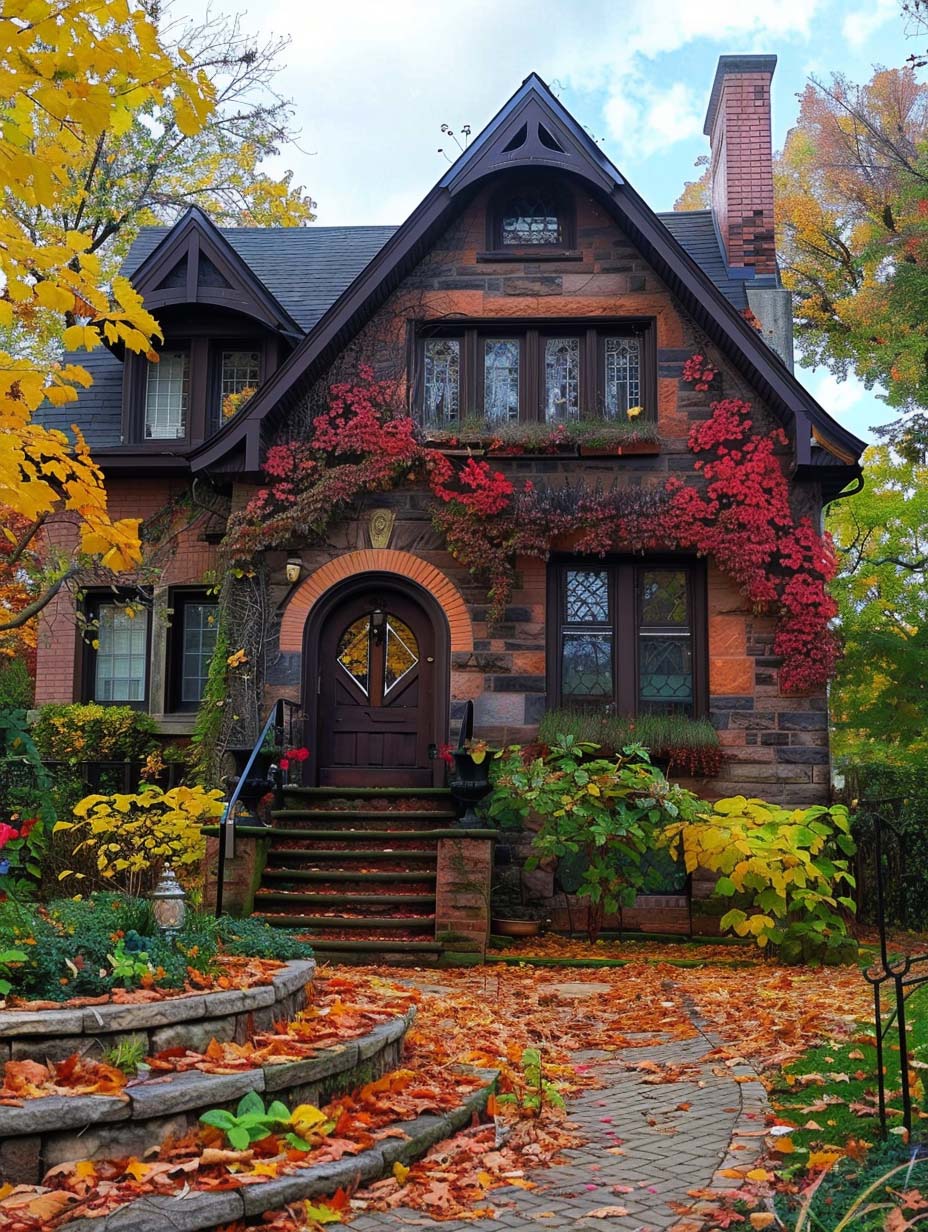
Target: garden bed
point(40, 1033)
point(47, 1131)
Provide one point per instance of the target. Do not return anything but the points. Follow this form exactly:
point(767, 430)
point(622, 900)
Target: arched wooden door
point(377, 721)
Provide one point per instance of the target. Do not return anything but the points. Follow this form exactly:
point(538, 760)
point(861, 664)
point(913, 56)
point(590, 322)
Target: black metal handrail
point(274, 720)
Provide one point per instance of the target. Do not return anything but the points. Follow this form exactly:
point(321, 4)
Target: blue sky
point(373, 80)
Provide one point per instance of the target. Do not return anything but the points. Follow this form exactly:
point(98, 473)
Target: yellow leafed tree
point(68, 73)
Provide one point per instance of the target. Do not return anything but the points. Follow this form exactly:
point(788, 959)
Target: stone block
point(295, 976)
point(21, 1160)
point(136, 1017)
point(187, 1212)
point(191, 1090)
point(239, 1000)
point(107, 1141)
point(346, 1173)
point(41, 1022)
point(335, 1060)
point(53, 1112)
point(194, 1035)
point(54, 1048)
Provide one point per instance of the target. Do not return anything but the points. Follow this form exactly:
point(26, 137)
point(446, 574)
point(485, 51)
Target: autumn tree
point(879, 699)
point(108, 124)
point(697, 194)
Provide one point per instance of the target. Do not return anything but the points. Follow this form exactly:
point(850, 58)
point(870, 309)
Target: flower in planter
point(634, 411)
point(445, 752)
point(297, 755)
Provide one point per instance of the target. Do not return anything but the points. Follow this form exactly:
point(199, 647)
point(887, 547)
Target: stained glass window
point(530, 218)
point(665, 643)
point(500, 379)
point(442, 380)
point(121, 667)
point(354, 652)
point(586, 669)
point(622, 377)
point(402, 652)
point(240, 372)
point(562, 379)
point(166, 392)
point(587, 596)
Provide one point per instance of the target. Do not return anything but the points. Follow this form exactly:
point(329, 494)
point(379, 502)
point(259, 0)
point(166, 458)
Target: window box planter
point(624, 450)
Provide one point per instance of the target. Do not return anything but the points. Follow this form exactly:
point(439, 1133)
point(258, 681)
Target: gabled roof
point(533, 128)
point(195, 264)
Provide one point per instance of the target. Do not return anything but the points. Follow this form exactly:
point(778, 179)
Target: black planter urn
point(469, 784)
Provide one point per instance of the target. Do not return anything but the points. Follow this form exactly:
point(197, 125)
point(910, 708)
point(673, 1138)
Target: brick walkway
point(666, 1149)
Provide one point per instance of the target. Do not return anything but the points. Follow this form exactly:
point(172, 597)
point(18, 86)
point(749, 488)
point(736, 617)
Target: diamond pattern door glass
point(442, 380)
point(200, 621)
point(354, 652)
point(622, 376)
point(562, 379)
point(166, 392)
point(402, 652)
point(500, 379)
point(665, 642)
point(122, 654)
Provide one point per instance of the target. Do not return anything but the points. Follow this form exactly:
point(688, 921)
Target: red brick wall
point(742, 170)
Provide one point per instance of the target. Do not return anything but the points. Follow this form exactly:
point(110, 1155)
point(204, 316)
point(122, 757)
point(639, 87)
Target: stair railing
point(280, 718)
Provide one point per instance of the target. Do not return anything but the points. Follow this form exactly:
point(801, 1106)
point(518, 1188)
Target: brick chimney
point(741, 162)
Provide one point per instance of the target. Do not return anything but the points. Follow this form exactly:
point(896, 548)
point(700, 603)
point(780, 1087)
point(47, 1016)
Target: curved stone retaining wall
point(189, 1021)
point(62, 1128)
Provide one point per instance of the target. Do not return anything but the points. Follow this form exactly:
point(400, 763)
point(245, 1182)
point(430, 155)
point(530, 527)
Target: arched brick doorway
point(376, 656)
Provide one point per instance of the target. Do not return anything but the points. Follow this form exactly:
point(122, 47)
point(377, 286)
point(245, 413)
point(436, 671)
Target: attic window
point(534, 217)
point(167, 388)
point(530, 218)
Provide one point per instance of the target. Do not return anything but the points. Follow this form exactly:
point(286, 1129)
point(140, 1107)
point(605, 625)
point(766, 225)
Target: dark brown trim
point(535, 255)
point(333, 599)
point(623, 598)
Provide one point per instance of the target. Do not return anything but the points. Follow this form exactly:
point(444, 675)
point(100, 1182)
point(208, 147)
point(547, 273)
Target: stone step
point(385, 816)
point(299, 898)
point(376, 924)
point(321, 834)
point(367, 793)
point(355, 876)
point(280, 856)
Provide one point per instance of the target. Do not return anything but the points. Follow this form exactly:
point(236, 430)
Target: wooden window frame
point(531, 334)
point(178, 598)
point(566, 207)
point(623, 591)
point(93, 601)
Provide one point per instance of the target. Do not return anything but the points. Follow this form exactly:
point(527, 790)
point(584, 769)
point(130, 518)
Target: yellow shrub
point(129, 838)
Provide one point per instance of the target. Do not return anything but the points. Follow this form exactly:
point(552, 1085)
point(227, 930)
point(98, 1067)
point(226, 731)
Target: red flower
point(444, 752)
point(284, 763)
point(6, 834)
point(27, 826)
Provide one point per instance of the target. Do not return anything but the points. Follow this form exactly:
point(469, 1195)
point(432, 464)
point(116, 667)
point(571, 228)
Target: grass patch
point(895, 1176)
point(830, 1092)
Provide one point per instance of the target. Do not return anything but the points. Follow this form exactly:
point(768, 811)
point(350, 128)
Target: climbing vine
point(738, 512)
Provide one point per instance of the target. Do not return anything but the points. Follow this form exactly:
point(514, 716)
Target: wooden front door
point(376, 676)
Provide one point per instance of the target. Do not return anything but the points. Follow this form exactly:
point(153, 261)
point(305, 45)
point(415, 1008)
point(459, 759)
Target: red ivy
point(738, 513)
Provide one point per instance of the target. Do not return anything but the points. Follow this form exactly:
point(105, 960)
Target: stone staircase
point(354, 869)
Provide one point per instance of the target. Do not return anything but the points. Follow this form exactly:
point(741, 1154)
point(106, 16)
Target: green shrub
point(689, 746)
point(88, 947)
point(17, 688)
point(79, 733)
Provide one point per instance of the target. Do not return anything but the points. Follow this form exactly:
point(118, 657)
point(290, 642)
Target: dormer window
point(167, 392)
point(239, 377)
point(531, 218)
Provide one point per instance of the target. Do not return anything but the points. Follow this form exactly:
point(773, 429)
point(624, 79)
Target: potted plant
point(462, 436)
point(511, 914)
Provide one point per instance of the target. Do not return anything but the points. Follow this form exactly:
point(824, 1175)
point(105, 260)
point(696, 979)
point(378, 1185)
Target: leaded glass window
point(167, 390)
point(442, 380)
point(199, 622)
point(626, 638)
point(121, 667)
point(354, 652)
point(500, 379)
point(562, 379)
point(622, 376)
point(665, 642)
point(240, 372)
point(402, 652)
point(531, 218)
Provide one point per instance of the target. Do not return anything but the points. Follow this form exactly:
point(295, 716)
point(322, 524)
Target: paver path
point(666, 1149)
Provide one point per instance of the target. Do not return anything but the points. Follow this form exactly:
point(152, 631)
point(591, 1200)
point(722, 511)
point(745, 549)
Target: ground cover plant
point(687, 746)
point(91, 947)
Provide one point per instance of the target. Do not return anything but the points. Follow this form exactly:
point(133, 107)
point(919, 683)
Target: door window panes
point(442, 378)
point(120, 672)
point(354, 652)
point(665, 642)
point(501, 379)
point(402, 652)
point(166, 394)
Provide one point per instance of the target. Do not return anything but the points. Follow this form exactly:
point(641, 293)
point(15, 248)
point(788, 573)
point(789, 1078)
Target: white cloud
point(853, 405)
point(372, 82)
point(859, 27)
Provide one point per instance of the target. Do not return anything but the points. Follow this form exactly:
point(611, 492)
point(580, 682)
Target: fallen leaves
point(74, 1076)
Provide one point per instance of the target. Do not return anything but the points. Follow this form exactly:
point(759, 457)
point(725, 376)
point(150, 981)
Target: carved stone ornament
point(380, 527)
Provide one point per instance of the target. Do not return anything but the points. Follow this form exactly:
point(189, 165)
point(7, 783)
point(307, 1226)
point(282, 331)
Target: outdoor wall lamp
point(294, 569)
point(378, 623)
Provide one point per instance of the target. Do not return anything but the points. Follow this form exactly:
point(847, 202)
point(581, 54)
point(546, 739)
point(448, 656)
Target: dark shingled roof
point(306, 269)
point(695, 231)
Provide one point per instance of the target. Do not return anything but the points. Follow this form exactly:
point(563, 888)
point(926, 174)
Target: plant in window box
point(469, 433)
point(676, 742)
point(602, 438)
point(232, 403)
point(513, 440)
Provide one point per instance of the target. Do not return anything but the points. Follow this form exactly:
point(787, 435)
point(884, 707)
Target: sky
point(373, 81)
